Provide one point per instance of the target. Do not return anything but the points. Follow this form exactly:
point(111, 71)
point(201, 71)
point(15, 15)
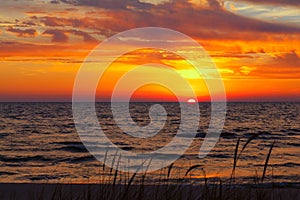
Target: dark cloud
point(132, 4)
point(57, 35)
point(217, 25)
point(55, 21)
point(110, 4)
point(85, 22)
point(215, 4)
point(278, 2)
point(54, 2)
point(290, 59)
point(282, 66)
point(86, 37)
point(29, 23)
point(4, 22)
point(205, 23)
point(101, 27)
point(22, 33)
point(19, 49)
point(62, 35)
point(230, 55)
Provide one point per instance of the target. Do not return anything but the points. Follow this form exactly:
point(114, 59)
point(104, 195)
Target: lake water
point(39, 143)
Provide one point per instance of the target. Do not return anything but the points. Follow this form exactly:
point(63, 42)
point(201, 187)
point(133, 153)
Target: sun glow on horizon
point(191, 101)
point(43, 44)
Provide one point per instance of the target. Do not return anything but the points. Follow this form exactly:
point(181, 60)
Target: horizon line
point(230, 101)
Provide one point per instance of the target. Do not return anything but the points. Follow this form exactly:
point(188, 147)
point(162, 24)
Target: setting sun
point(191, 101)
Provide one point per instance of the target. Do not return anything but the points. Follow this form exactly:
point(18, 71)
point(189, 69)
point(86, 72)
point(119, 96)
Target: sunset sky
point(254, 44)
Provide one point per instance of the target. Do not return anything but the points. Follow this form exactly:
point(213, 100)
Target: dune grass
point(128, 186)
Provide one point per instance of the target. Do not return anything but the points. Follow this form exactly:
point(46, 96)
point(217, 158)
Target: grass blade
point(267, 161)
point(169, 170)
point(105, 157)
point(191, 168)
point(113, 161)
point(248, 141)
point(116, 171)
point(132, 178)
point(235, 157)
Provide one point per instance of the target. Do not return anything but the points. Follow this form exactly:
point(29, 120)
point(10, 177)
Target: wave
point(24, 159)
point(287, 164)
point(7, 173)
point(88, 158)
point(73, 149)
